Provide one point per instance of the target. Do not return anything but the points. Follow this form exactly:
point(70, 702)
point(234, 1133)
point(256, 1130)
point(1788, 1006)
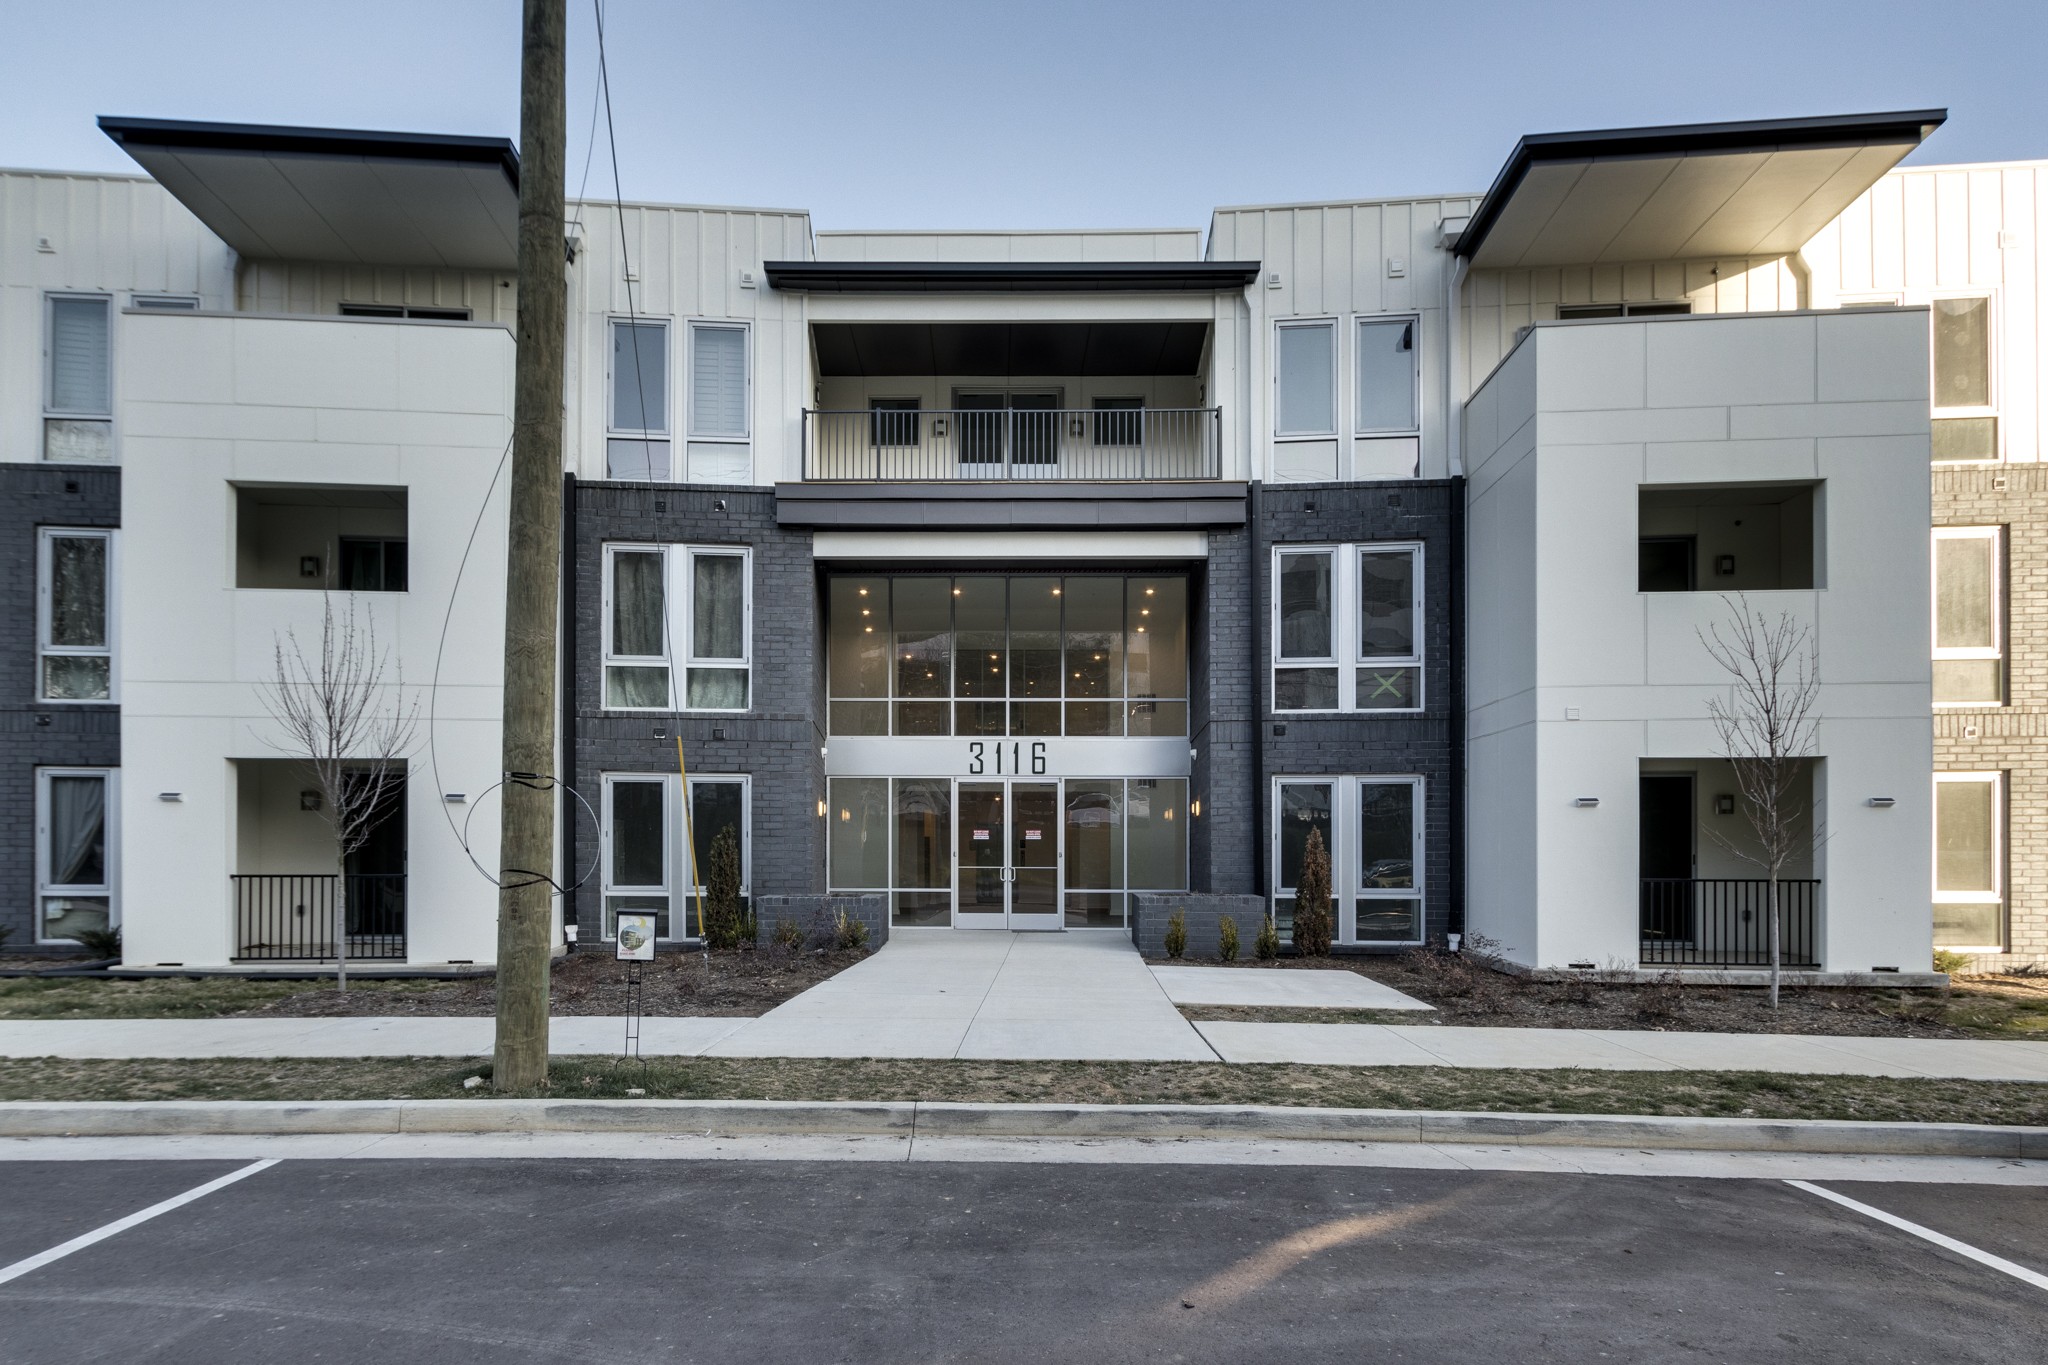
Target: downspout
point(567, 764)
point(1454, 335)
point(1260, 614)
point(1454, 433)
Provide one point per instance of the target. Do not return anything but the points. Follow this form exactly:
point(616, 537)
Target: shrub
point(788, 936)
point(1312, 900)
point(849, 932)
point(1226, 939)
point(1266, 946)
point(1177, 934)
point(724, 923)
point(1953, 963)
point(100, 942)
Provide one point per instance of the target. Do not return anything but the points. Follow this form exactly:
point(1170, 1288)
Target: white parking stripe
point(100, 1234)
point(2018, 1272)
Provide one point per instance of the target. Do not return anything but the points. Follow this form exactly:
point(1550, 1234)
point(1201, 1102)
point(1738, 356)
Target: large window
point(1969, 861)
point(1305, 379)
point(1372, 830)
point(637, 417)
point(673, 610)
point(1969, 616)
point(989, 654)
point(645, 847)
point(1347, 627)
point(78, 379)
point(1389, 377)
point(1965, 424)
point(74, 615)
point(75, 852)
point(718, 381)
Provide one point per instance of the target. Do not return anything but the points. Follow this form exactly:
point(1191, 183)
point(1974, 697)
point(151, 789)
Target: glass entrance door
point(1008, 864)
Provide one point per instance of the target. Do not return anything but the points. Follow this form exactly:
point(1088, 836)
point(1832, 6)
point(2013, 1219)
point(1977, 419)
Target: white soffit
point(1009, 545)
point(1664, 194)
point(331, 195)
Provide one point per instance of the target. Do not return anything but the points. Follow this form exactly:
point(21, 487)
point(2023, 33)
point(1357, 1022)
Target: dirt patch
point(1709, 1093)
point(1466, 991)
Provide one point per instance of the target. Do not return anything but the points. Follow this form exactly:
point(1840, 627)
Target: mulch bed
point(731, 984)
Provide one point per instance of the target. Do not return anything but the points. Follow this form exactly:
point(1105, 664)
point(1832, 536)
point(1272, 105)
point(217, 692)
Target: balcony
point(1102, 444)
point(1726, 922)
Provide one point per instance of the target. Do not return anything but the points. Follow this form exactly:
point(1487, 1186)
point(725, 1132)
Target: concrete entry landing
point(981, 995)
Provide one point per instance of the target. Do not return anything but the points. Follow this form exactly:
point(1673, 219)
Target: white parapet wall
point(1577, 679)
point(215, 404)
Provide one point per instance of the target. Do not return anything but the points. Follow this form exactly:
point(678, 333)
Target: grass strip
point(1727, 1094)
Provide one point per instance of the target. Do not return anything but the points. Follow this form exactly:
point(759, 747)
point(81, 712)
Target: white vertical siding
point(1925, 232)
point(312, 287)
point(1170, 244)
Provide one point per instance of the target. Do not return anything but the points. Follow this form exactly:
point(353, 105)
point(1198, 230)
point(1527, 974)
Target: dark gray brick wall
point(1296, 745)
point(1222, 711)
point(37, 734)
point(817, 917)
point(1151, 913)
point(776, 742)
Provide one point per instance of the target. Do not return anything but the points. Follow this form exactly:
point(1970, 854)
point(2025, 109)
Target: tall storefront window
point(1080, 655)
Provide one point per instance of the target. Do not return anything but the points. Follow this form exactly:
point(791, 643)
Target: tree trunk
point(526, 849)
point(1774, 938)
point(341, 931)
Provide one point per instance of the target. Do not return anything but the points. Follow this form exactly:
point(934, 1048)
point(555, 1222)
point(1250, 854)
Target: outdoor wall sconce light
point(1724, 804)
point(1195, 808)
point(454, 798)
point(170, 796)
point(1724, 566)
point(661, 734)
point(1883, 802)
point(309, 800)
point(309, 566)
point(1587, 802)
point(1074, 427)
point(938, 426)
point(821, 809)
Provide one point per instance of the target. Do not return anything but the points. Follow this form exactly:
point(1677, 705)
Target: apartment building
point(1004, 575)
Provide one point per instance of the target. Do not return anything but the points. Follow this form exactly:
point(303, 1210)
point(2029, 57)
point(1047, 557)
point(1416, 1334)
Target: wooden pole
point(527, 840)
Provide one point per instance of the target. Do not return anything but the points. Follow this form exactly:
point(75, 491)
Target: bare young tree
point(1766, 729)
point(349, 731)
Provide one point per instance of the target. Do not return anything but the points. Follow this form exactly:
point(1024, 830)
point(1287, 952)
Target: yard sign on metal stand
point(636, 950)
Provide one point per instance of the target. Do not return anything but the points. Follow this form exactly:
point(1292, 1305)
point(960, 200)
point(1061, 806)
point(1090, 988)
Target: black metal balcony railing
point(1725, 922)
point(911, 445)
point(289, 917)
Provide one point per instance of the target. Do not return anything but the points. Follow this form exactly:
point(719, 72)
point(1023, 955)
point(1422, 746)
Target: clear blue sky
point(1032, 113)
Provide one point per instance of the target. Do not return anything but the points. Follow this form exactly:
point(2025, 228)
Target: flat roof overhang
point(333, 194)
point(1002, 349)
point(1009, 277)
point(1684, 192)
point(1012, 506)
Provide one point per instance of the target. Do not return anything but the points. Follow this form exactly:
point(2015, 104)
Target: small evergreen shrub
point(1177, 934)
point(848, 932)
point(100, 942)
point(1266, 946)
point(724, 922)
point(1226, 939)
point(1944, 961)
point(788, 936)
point(1312, 900)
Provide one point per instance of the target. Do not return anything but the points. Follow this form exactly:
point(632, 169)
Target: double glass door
point(1008, 864)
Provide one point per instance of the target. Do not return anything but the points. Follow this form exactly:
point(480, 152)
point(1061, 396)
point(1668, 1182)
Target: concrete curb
point(21, 1119)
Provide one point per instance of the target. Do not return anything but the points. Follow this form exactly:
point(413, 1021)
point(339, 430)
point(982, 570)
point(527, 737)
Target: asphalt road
point(457, 1261)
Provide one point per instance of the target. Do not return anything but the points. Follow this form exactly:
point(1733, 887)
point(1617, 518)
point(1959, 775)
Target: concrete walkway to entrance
point(982, 995)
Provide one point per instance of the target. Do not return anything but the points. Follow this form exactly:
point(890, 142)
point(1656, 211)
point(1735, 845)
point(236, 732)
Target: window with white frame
point(165, 303)
point(678, 622)
point(1389, 376)
point(718, 408)
point(1969, 861)
point(645, 845)
point(1969, 616)
point(76, 811)
point(1347, 627)
point(74, 615)
point(1965, 421)
point(1305, 378)
point(637, 413)
point(78, 379)
point(1372, 831)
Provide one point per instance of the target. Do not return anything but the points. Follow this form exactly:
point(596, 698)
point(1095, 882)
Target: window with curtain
point(1969, 616)
point(718, 381)
point(74, 863)
point(1969, 861)
point(1305, 379)
point(78, 379)
point(1387, 375)
point(670, 607)
point(74, 642)
point(637, 418)
point(646, 846)
point(1347, 628)
point(1964, 429)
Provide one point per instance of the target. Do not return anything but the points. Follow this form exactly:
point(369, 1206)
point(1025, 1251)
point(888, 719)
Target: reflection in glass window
point(1969, 624)
point(1357, 603)
point(1387, 361)
point(660, 594)
point(1969, 858)
point(72, 616)
point(74, 863)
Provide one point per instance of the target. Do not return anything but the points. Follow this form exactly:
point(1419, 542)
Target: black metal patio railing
point(1725, 922)
point(289, 917)
point(928, 445)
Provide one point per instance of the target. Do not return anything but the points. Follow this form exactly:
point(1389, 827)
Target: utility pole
point(527, 843)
